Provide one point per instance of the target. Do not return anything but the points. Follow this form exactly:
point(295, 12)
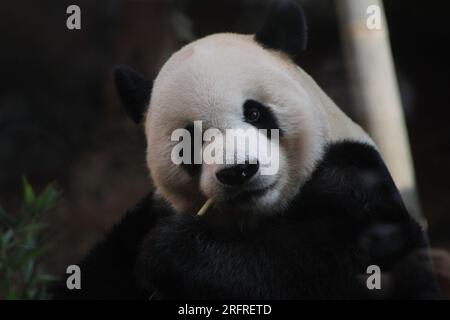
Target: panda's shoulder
point(351, 177)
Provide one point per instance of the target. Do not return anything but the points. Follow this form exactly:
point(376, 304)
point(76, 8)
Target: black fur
point(284, 29)
point(108, 270)
point(134, 91)
point(319, 248)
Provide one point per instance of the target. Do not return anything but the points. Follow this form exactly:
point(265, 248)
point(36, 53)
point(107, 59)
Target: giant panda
point(309, 231)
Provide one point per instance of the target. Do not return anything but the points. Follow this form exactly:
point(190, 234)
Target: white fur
point(209, 80)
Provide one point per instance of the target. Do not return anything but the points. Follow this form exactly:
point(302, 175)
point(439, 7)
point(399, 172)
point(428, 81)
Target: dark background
point(60, 118)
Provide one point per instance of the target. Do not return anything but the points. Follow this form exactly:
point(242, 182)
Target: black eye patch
point(260, 116)
point(191, 168)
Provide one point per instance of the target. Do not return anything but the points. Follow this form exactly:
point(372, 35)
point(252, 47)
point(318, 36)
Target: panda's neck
point(338, 126)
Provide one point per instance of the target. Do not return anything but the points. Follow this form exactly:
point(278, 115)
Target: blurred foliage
point(23, 243)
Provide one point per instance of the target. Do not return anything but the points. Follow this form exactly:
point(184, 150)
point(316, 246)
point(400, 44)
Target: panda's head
point(231, 81)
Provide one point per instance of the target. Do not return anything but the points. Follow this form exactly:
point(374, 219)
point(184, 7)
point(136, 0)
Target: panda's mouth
point(247, 195)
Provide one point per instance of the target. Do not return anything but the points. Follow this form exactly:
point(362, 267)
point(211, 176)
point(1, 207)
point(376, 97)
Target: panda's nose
point(237, 174)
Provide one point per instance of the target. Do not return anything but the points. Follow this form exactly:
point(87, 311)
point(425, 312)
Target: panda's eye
point(252, 115)
point(260, 116)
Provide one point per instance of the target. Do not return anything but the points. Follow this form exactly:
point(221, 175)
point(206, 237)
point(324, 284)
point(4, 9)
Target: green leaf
point(31, 293)
point(5, 219)
point(6, 238)
point(28, 191)
point(47, 278)
point(23, 242)
point(12, 295)
point(47, 198)
point(34, 228)
point(38, 252)
point(28, 270)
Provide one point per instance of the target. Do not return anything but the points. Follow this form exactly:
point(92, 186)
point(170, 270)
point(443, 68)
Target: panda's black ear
point(284, 29)
point(134, 91)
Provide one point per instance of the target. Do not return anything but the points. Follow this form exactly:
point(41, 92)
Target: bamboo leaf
point(12, 294)
point(6, 238)
point(5, 219)
point(28, 270)
point(28, 191)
